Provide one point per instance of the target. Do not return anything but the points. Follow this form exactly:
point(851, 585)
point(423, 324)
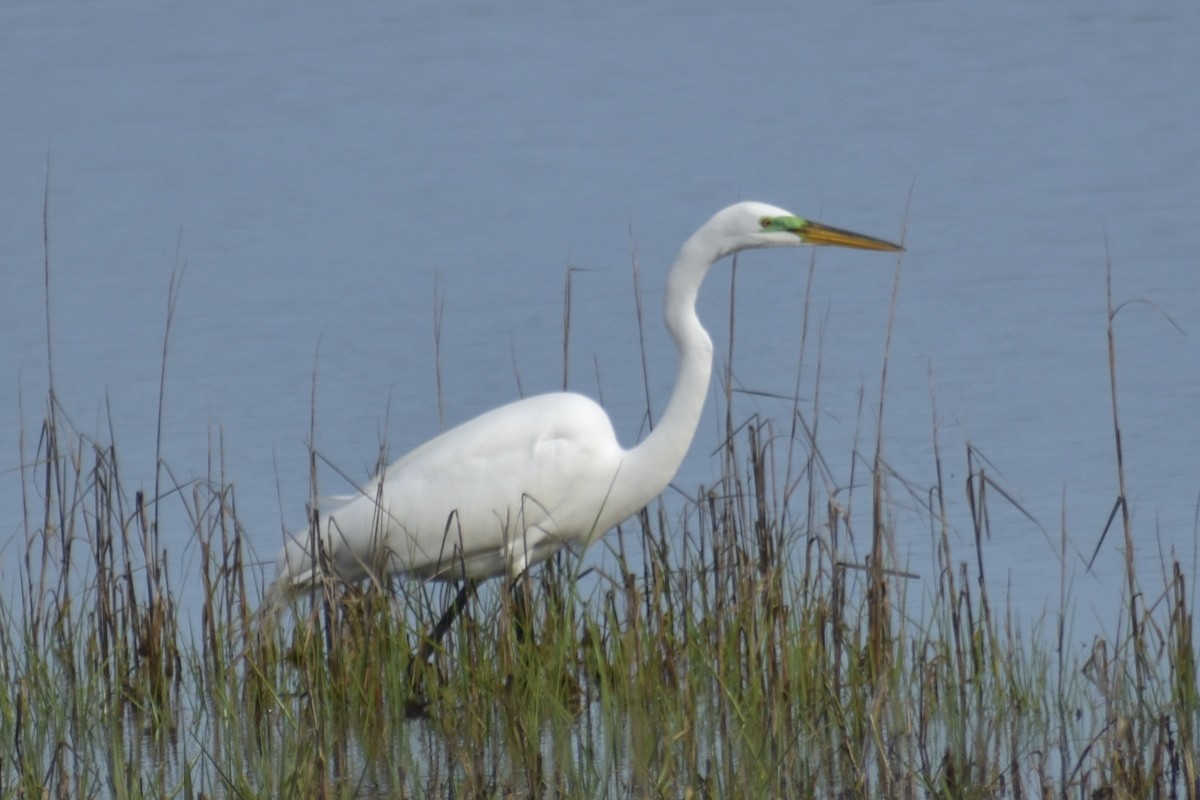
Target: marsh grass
point(740, 658)
point(732, 646)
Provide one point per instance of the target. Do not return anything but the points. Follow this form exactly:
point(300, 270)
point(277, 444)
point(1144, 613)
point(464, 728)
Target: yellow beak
point(816, 233)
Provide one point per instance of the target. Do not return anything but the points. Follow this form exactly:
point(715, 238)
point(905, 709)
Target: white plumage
point(509, 488)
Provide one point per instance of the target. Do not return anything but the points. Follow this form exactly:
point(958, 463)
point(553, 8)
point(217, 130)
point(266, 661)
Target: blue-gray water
point(325, 169)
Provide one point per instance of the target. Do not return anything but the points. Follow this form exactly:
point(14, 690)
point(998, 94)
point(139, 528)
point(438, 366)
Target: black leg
point(417, 705)
point(434, 638)
point(465, 593)
point(521, 592)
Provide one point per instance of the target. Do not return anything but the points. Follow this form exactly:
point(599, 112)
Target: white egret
point(511, 487)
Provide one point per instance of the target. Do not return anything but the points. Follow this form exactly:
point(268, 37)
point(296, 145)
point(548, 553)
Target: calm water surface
point(331, 174)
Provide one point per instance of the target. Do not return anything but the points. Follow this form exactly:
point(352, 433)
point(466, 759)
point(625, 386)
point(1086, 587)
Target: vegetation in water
point(738, 649)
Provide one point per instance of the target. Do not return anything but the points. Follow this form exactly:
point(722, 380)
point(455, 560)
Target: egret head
point(750, 224)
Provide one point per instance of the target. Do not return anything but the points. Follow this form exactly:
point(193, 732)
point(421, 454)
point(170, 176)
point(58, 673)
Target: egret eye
point(765, 222)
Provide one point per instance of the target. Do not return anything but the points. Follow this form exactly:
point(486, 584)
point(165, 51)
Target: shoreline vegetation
point(738, 649)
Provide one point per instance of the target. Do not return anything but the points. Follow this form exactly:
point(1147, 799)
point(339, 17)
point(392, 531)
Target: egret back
point(491, 496)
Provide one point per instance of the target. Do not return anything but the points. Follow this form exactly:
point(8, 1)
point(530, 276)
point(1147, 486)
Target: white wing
point(496, 494)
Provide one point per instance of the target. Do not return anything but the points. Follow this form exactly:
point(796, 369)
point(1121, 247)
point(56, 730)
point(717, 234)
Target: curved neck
point(648, 468)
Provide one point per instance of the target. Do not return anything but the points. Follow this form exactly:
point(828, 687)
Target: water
point(327, 173)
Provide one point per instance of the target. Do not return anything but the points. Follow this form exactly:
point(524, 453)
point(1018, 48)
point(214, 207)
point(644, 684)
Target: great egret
point(511, 487)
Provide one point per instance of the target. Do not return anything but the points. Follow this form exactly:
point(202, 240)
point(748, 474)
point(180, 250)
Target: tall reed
point(731, 644)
